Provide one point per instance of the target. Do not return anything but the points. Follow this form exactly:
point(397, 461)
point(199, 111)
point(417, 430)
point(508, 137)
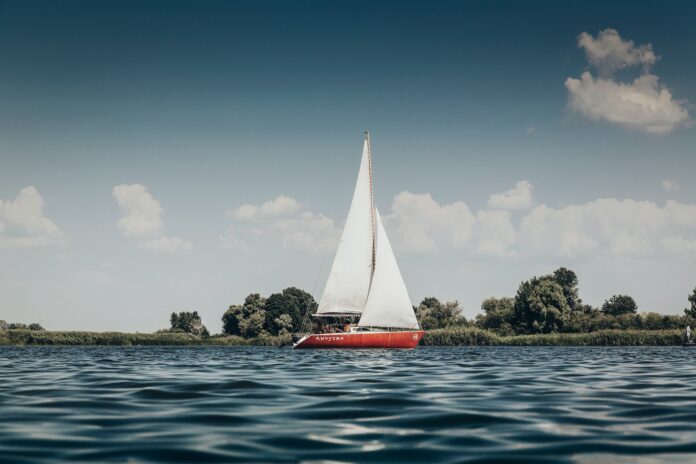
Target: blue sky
point(199, 108)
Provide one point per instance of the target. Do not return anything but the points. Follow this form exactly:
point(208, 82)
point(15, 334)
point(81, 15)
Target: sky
point(168, 156)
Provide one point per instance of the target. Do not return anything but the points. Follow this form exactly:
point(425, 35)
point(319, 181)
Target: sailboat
point(365, 281)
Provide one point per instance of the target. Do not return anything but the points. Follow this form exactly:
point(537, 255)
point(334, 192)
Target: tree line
point(542, 305)
point(551, 304)
point(4, 325)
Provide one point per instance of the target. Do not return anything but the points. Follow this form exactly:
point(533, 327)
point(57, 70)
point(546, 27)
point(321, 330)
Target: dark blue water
point(213, 404)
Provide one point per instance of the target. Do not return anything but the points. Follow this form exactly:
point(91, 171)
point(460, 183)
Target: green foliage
point(691, 310)
point(498, 315)
point(188, 322)
point(18, 325)
point(281, 313)
point(252, 325)
point(568, 281)
point(283, 323)
point(296, 303)
point(162, 338)
point(540, 306)
point(432, 314)
point(550, 304)
point(477, 337)
point(246, 320)
point(620, 304)
point(460, 336)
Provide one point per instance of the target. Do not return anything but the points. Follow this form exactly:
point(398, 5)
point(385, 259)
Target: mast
point(373, 219)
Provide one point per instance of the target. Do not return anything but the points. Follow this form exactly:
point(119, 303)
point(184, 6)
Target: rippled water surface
point(209, 404)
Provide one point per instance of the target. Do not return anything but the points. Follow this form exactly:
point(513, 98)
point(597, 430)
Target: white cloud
point(670, 185)
point(308, 231)
point(643, 104)
point(494, 233)
point(629, 228)
point(282, 218)
point(22, 223)
point(519, 197)
point(142, 211)
point(610, 226)
point(609, 52)
point(142, 220)
point(418, 223)
point(281, 206)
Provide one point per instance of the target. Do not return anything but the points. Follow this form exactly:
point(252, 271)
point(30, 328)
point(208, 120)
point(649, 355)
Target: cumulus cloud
point(284, 219)
point(281, 206)
point(494, 233)
point(23, 224)
point(609, 52)
point(643, 104)
point(142, 220)
point(519, 197)
point(610, 226)
point(143, 213)
point(418, 223)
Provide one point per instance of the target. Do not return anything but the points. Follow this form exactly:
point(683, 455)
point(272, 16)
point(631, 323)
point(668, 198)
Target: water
point(209, 404)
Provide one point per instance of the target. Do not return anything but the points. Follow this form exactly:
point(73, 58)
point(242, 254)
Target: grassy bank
point(466, 336)
point(45, 337)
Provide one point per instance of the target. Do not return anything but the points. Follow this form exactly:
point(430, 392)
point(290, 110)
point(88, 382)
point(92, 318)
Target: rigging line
point(314, 289)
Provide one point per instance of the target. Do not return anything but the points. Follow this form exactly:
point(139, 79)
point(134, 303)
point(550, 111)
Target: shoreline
point(464, 336)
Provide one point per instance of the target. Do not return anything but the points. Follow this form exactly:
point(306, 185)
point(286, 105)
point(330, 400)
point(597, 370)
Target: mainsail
point(388, 303)
point(349, 280)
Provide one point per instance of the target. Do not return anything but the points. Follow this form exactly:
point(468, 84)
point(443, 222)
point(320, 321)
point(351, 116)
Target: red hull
point(401, 339)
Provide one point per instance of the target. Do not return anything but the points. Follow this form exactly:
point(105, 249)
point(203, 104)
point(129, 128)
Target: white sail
point(388, 303)
point(349, 280)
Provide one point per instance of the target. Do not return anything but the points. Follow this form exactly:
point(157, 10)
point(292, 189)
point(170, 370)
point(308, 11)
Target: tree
point(188, 322)
point(619, 304)
point(252, 325)
point(568, 281)
point(540, 306)
point(296, 303)
point(284, 324)
point(4, 325)
point(499, 314)
point(691, 310)
point(246, 320)
point(432, 314)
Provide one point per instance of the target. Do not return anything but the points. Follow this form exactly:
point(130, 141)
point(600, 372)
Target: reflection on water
point(210, 404)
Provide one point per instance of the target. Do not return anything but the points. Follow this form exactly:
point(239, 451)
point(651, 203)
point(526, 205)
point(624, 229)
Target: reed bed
point(458, 336)
point(468, 336)
point(70, 338)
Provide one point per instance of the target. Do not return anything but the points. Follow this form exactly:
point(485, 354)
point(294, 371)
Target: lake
point(252, 404)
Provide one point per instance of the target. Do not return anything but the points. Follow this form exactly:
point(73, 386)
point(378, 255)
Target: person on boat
point(688, 334)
